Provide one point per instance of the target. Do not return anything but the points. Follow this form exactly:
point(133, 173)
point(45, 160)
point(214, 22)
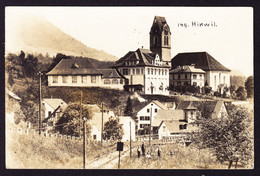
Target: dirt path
point(109, 161)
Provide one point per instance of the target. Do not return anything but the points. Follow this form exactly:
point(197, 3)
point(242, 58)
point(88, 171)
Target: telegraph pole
point(84, 143)
point(102, 124)
point(150, 124)
point(80, 116)
point(130, 141)
point(40, 102)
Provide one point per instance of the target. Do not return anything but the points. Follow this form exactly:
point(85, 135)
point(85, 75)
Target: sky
point(117, 30)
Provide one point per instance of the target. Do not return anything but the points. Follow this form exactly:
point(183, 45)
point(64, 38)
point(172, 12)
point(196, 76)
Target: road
point(109, 161)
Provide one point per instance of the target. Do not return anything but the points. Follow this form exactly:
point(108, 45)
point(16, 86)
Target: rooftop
point(76, 66)
point(202, 60)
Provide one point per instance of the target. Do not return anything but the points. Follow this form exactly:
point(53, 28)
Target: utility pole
point(40, 102)
point(130, 141)
point(84, 143)
point(80, 116)
point(102, 124)
point(150, 124)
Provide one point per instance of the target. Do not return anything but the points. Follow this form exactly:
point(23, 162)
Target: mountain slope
point(35, 34)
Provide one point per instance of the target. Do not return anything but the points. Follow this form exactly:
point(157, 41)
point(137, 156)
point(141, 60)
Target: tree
point(249, 86)
point(113, 130)
point(129, 108)
point(241, 93)
point(70, 121)
point(227, 137)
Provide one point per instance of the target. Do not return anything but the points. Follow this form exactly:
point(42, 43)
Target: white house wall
point(216, 78)
point(161, 131)
point(126, 129)
point(143, 112)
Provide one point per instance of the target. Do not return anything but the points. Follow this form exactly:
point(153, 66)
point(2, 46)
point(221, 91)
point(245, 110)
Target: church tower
point(160, 38)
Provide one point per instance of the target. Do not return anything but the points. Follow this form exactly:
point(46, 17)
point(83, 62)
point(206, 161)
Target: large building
point(187, 75)
point(148, 70)
point(217, 75)
point(80, 72)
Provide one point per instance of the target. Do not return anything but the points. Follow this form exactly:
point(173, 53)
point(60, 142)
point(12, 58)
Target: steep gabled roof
point(213, 107)
point(55, 102)
point(167, 115)
point(110, 73)
point(162, 106)
point(159, 22)
point(201, 60)
point(76, 66)
point(143, 56)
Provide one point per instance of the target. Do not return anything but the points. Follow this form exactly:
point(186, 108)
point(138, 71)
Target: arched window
point(155, 40)
point(165, 40)
point(151, 71)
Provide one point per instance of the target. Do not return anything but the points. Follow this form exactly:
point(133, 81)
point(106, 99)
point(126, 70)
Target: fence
point(178, 138)
point(47, 134)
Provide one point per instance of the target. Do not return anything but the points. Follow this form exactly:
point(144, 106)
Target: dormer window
point(75, 65)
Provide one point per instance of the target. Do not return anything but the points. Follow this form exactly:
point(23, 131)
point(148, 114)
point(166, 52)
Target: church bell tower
point(160, 38)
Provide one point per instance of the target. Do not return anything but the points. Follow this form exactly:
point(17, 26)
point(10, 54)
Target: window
point(186, 77)
point(65, 79)
point(74, 79)
point(200, 76)
point(155, 110)
point(93, 79)
point(148, 70)
point(165, 40)
point(125, 71)
point(133, 71)
point(147, 117)
point(194, 84)
point(114, 81)
point(194, 76)
point(155, 70)
point(84, 79)
point(94, 136)
point(142, 71)
point(191, 114)
point(155, 40)
point(148, 110)
point(151, 71)
point(55, 79)
point(138, 71)
point(165, 72)
point(162, 71)
point(183, 127)
point(179, 76)
point(121, 81)
point(107, 81)
point(141, 117)
point(164, 129)
point(159, 71)
point(49, 113)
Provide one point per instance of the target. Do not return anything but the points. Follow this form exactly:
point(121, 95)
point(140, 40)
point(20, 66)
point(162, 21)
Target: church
point(148, 70)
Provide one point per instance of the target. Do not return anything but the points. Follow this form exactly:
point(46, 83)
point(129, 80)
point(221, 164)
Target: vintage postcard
point(129, 87)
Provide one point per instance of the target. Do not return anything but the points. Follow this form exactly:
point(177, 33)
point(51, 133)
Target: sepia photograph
point(129, 87)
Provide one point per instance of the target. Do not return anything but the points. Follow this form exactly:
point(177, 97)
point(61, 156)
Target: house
point(148, 70)
point(187, 75)
point(167, 115)
point(150, 110)
point(53, 109)
point(214, 109)
point(174, 128)
point(111, 78)
point(77, 72)
point(127, 122)
point(217, 76)
point(96, 124)
point(12, 105)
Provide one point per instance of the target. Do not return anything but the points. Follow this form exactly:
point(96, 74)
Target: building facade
point(148, 70)
point(80, 72)
point(217, 76)
point(187, 75)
